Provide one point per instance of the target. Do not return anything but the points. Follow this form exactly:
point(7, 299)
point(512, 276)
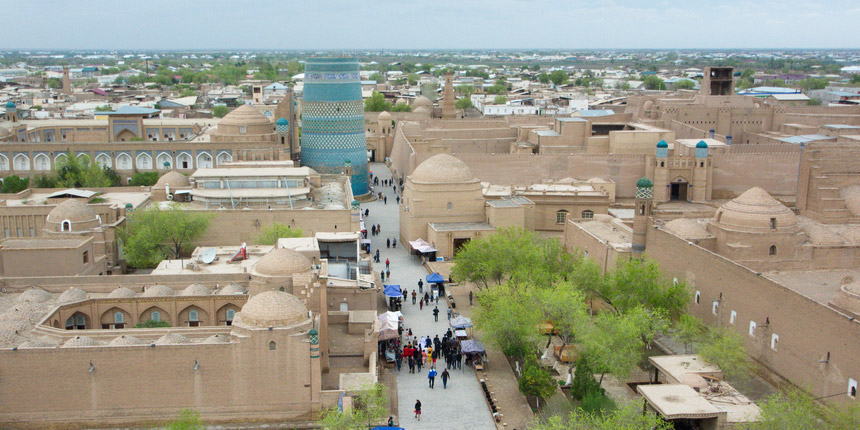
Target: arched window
point(76, 322)
point(119, 318)
point(123, 162)
point(66, 225)
point(204, 161)
point(772, 250)
point(773, 223)
point(587, 214)
point(230, 314)
point(193, 316)
point(272, 346)
point(155, 316)
point(642, 210)
point(560, 216)
point(450, 205)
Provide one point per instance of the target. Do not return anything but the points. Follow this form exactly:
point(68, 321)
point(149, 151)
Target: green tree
point(653, 82)
point(814, 102)
point(583, 380)
point(506, 323)
point(627, 417)
point(14, 184)
point(401, 107)
point(792, 410)
point(187, 92)
point(45, 181)
point(377, 77)
point(376, 103)
point(638, 282)
point(104, 108)
point(558, 77)
point(500, 100)
point(464, 103)
point(497, 89)
point(536, 382)
point(369, 409)
point(543, 78)
point(564, 305)
point(724, 347)
point(72, 171)
point(615, 343)
point(465, 90)
point(154, 234)
point(271, 233)
point(218, 111)
point(145, 179)
point(152, 324)
point(775, 83)
point(684, 84)
point(187, 420)
point(855, 78)
point(55, 83)
point(622, 85)
point(689, 330)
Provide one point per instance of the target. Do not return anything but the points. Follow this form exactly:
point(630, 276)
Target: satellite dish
point(208, 255)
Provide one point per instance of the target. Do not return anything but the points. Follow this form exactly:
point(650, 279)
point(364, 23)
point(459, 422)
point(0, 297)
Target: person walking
point(398, 200)
point(414, 295)
point(366, 212)
point(470, 298)
point(421, 305)
point(388, 243)
point(378, 229)
point(394, 243)
point(420, 285)
point(431, 376)
point(449, 314)
point(385, 200)
point(418, 409)
point(390, 421)
point(445, 376)
point(436, 313)
point(382, 275)
point(387, 263)
point(388, 274)
point(410, 361)
point(398, 358)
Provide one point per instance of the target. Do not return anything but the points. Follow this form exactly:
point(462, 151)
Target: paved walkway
point(462, 405)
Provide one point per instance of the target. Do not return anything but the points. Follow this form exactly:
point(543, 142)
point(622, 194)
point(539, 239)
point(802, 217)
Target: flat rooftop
point(676, 401)
point(620, 238)
point(223, 254)
point(712, 143)
point(43, 243)
point(251, 172)
point(819, 285)
point(677, 365)
point(460, 226)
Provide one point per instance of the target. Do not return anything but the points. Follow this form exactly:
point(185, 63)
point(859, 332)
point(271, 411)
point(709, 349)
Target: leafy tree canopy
point(14, 184)
point(270, 234)
point(154, 234)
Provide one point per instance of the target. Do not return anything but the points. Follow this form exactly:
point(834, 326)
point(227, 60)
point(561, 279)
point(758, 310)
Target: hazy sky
point(429, 24)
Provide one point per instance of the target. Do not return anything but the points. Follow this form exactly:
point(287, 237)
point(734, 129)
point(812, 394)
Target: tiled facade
point(333, 120)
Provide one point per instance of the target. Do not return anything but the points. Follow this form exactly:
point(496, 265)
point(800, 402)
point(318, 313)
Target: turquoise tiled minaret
point(333, 139)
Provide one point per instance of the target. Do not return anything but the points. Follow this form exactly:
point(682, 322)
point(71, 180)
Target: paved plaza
point(460, 406)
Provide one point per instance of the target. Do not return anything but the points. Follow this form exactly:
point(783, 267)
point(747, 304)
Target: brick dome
point(443, 168)
point(756, 210)
point(72, 295)
point(121, 293)
point(158, 291)
point(78, 213)
point(272, 309)
point(196, 290)
point(421, 101)
point(282, 262)
point(174, 179)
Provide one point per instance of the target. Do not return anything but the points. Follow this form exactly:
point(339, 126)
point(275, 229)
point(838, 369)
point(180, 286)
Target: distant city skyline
point(465, 24)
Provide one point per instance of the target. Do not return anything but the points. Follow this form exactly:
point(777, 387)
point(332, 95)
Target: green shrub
point(596, 402)
point(152, 324)
point(145, 179)
point(14, 184)
point(583, 380)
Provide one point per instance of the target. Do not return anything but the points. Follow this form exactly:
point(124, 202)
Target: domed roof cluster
point(28, 311)
point(443, 168)
point(121, 293)
point(39, 342)
point(126, 340)
point(231, 289)
point(688, 229)
point(421, 101)
point(174, 179)
point(272, 309)
point(158, 291)
point(216, 338)
point(282, 262)
point(34, 295)
point(755, 209)
point(79, 341)
point(81, 215)
point(72, 295)
point(173, 339)
point(195, 290)
point(10, 338)
point(244, 115)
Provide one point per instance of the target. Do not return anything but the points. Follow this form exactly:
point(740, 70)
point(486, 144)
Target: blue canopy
point(392, 291)
point(435, 278)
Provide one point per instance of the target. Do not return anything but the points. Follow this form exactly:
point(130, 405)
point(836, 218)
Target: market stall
point(395, 297)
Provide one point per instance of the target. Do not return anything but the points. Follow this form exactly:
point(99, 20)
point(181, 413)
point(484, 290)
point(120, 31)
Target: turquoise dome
point(702, 144)
point(10, 105)
point(662, 144)
point(281, 121)
point(644, 182)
